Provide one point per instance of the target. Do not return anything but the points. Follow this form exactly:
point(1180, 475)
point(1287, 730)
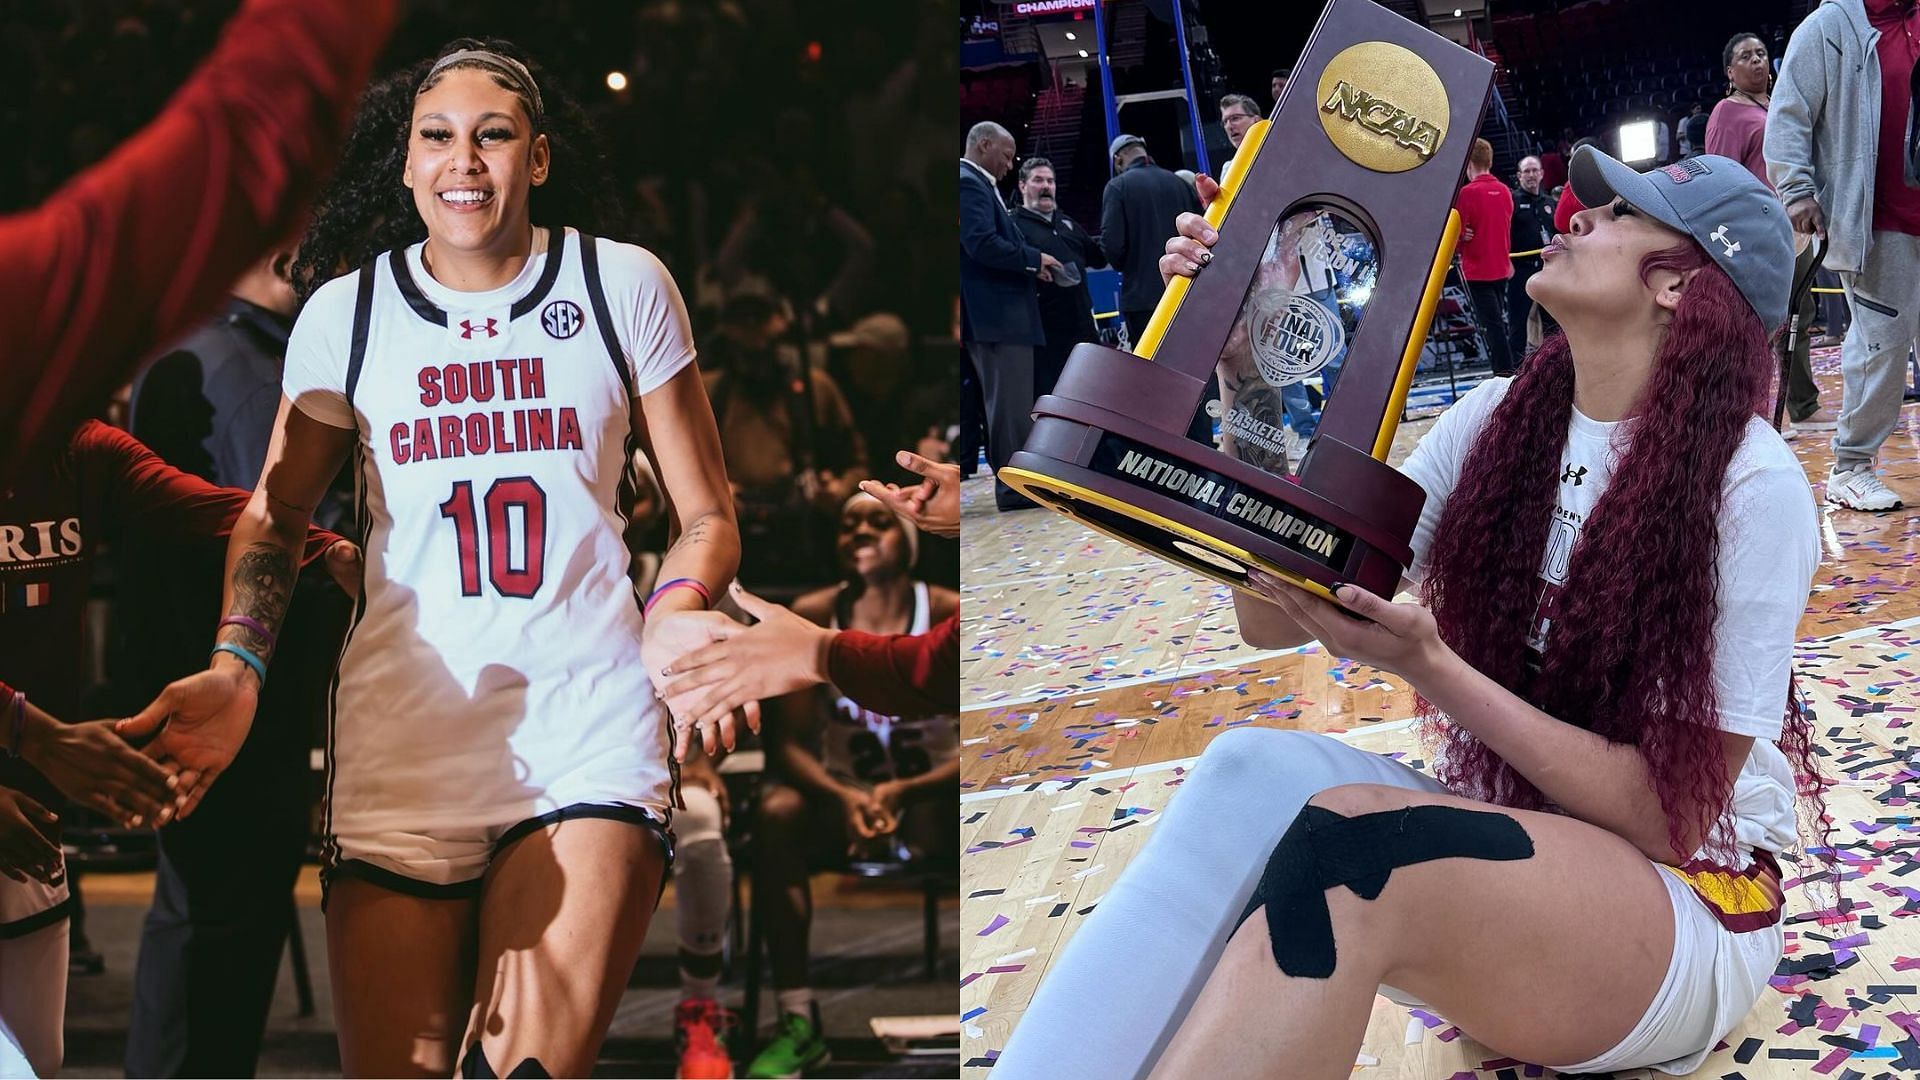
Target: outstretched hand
point(1401, 638)
point(199, 724)
point(97, 769)
point(27, 847)
point(669, 639)
point(743, 666)
point(932, 505)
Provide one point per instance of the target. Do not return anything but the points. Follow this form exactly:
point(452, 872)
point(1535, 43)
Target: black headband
point(513, 69)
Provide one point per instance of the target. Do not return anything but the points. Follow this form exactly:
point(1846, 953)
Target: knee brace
point(476, 1065)
point(1324, 850)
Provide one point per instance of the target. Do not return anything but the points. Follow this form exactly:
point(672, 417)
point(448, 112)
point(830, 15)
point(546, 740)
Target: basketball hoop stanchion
point(1342, 207)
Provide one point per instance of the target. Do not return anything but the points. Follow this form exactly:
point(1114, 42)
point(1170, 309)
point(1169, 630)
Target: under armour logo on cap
point(1719, 236)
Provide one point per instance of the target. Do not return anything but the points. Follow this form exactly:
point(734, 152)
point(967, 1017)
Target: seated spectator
point(792, 449)
point(852, 784)
point(887, 389)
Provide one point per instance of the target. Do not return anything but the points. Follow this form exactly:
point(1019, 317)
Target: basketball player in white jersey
point(849, 778)
point(500, 778)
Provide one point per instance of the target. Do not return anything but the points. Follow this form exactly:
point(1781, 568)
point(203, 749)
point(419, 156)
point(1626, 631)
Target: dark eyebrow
point(482, 117)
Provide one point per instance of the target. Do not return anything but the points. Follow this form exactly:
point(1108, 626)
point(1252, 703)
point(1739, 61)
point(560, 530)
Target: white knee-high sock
point(702, 881)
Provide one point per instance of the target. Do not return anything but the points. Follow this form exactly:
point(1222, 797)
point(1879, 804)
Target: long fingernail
point(1206, 257)
point(1192, 267)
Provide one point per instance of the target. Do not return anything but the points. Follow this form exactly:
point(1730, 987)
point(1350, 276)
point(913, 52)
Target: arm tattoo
point(262, 586)
point(697, 533)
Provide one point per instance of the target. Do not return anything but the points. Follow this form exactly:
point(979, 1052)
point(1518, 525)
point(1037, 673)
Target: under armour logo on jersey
point(1574, 473)
point(1719, 236)
point(562, 319)
point(467, 328)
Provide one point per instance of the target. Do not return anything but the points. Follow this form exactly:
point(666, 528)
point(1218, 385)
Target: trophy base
point(1205, 555)
point(1305, 541)
point(1109, 448)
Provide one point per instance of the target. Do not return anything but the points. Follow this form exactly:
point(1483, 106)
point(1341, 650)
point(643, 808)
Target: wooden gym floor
point(1092, 676)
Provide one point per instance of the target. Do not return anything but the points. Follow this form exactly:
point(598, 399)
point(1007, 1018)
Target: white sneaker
point(1859, 489)
point(1787, 430)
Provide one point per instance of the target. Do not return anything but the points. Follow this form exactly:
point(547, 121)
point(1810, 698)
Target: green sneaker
point(797, 1047)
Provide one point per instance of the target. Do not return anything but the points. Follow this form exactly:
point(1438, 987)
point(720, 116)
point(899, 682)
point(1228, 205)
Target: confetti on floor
point(1094, 676)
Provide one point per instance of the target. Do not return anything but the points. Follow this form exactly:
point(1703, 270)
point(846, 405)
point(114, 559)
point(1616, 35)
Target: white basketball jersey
point(865, 747)
point(493, 669)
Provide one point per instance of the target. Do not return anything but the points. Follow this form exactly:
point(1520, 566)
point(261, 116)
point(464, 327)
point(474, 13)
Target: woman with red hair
point(1612, 560)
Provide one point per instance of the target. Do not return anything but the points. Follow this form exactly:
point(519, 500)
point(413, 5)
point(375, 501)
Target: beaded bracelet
point(247, 656)
point(706, 597)
point(254, 625)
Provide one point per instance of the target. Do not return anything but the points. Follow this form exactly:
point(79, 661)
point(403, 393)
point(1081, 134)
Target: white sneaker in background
point(1859, 489)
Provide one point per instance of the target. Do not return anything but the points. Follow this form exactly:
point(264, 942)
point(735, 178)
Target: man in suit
point(1137, 212)
point(1066, 310)
point(999, 312)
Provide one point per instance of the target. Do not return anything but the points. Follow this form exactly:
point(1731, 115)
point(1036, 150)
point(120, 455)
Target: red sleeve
point(899, 674)
point(132, 251)
point(1563, 213)
point(150, 495)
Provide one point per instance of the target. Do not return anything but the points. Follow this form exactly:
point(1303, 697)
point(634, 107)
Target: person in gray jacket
point(1836, 146)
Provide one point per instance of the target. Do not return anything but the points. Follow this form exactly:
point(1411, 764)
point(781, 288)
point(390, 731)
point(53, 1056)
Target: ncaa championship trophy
point(1336, 229)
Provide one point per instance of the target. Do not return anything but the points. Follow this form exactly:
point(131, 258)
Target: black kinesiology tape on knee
point(477, 1066)
point(1324, 850)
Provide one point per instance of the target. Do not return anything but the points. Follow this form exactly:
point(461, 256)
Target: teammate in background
point(782, 652)
point(102, 486)
point(849, 779)
point(702, 865)
point(500, 780)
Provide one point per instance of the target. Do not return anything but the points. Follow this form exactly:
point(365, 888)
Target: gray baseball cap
point(1715, 200)
point(1121, 142)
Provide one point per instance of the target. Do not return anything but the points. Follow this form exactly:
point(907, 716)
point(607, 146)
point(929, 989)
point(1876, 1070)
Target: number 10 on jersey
point(506, 494)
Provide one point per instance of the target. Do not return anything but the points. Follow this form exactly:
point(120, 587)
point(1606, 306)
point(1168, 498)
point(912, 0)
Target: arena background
point(779, 156)
point(768, 148)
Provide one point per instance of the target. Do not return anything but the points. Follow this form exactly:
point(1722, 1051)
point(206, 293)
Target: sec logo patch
point(562, 319)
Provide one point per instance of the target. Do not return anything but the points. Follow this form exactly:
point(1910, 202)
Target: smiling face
point(871, 541)
point(472, 158)
point(1593, 273)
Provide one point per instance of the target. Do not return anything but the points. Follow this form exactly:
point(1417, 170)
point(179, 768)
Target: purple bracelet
point(252, 624)
point(706, 597)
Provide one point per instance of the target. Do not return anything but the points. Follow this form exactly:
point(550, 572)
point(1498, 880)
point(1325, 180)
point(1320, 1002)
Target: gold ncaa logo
point(1383, 106)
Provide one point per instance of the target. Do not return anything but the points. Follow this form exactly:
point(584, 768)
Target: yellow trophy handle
point(1216, 213)
point(1417, 335)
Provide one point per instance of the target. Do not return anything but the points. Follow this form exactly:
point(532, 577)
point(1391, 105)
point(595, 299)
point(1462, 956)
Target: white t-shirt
point(493, 669)
point(1769, 547)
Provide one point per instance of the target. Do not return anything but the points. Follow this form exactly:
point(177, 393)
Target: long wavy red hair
point(1630, 655)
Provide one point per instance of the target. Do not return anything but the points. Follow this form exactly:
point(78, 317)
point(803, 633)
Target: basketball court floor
point(1093, 676)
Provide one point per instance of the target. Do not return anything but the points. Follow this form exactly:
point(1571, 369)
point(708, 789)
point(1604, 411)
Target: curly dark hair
point(1631, 653)
point(365, 209)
